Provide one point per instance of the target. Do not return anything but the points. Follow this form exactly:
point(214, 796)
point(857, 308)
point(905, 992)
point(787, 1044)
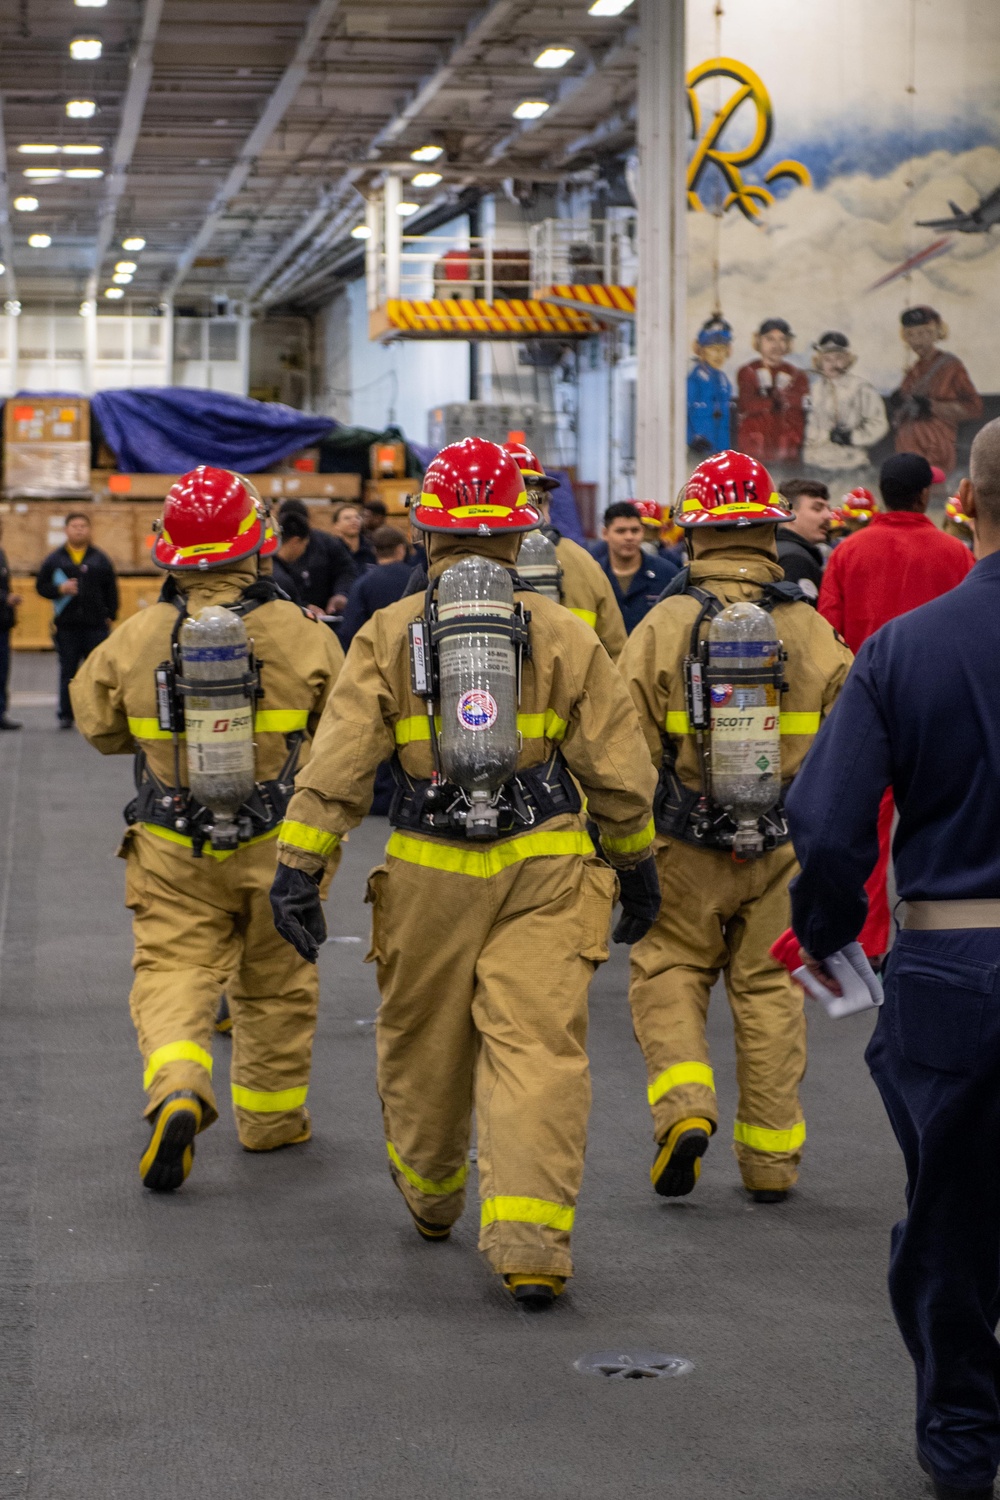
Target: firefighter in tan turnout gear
point(491, 911)
point(218, 730)
point(582, 586)
point(728, 722)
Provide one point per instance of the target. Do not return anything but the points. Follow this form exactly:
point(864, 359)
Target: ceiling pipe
point(6, 228)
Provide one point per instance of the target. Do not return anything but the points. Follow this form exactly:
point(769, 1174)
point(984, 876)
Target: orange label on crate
point(68, 414)
point(120, 484)
point(24, 413)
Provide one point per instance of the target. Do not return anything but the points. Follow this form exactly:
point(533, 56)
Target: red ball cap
point(730, 489)
point(530, 466)
point(474, 485)
point(212, 517)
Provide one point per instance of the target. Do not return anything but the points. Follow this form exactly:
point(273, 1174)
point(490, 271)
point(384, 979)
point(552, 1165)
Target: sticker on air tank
point(477, 710)
point(722, 693)
point(745, 723)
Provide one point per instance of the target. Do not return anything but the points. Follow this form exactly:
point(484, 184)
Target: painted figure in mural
point(709, 389)
point(846, 414)
point(771, 404)
point(937, 392)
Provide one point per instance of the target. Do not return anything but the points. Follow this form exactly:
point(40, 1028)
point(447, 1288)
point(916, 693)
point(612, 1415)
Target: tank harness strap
point(531, 797)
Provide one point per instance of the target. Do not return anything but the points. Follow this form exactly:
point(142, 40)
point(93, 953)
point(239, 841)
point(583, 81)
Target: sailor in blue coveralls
point(709, 391)
point(920, 712)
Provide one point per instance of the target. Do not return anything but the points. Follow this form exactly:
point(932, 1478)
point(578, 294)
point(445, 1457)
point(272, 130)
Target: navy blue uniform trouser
point(935, 1059)
point(74, 644)
point(4, 670)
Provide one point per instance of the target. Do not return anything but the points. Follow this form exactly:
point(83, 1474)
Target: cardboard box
point(393, 493)
point(47, 419)
point(46, 470)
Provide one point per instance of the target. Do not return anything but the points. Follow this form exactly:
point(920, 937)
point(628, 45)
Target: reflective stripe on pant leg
point(426, 1184)
point(269, 1103)
point(678, 1075)
point(527, 1211)
point(759, 1139)
point(176, 1052)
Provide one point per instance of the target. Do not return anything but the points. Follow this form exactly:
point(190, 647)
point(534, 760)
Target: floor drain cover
point(632, 1364)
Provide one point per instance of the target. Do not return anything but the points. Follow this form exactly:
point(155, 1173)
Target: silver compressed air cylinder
point(745, 719)
point(538, 564)
point(477, 663)
point(218, 726)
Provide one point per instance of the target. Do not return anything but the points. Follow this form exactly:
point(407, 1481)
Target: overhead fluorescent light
point(26, 205)
point(78, 150)
point(127, 267)
point(120, 278)
point(361, 232)
point(91, 4)
point(81, 109)
point(87, 309)
point(426, 153)
point(85, 48)
point(406, 209)
point(42, 174)
point(608, 7)
point(2, 268)
point(426, 179)
point(134, 242)
point(113, 293)
point(79, 172)
point(39, 241)
point(554, 57)
point(34, 149)
point(530, 109)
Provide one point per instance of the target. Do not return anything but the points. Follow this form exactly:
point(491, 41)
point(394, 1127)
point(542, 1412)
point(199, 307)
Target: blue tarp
point(170, 429)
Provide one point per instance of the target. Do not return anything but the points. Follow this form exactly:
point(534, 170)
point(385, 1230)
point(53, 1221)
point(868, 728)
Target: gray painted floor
point(277, 1329)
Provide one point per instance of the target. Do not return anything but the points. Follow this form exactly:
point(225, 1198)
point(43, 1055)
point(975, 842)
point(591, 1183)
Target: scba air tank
point(538, 564)
point(744, 659)
point(477, 663)
point(218, 722)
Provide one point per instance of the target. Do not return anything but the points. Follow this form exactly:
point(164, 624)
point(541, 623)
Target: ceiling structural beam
point(337, 227)
point(479, 30)
point(6, 228)
point(569, 89)
point(307, 230)
point(274, 112)
point(621, 123)
point(133, 107)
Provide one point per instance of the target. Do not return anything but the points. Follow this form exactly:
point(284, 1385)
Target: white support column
point(13, 310)
point(167, 340)
point(661, 446)
point(373, 249)
point(393, 235)
point(88, 312)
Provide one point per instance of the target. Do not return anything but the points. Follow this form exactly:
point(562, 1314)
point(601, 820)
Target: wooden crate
point(33, 631)
point(392, 493)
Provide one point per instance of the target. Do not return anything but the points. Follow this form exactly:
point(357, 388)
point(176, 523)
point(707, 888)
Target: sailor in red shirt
point(898, 562)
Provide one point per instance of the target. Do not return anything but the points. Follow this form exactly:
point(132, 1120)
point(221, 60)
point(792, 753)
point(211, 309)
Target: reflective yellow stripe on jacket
point(677, 1076)
point(484, 863)
point(427, 1184)
point(309, 840)
point(634, 843)
point(678, 723)
point(547, 726)
point(588, 616)
point(759, 1139)
point(527, 1211)
point(266, 721)
point(269, 1102)
point(176, 1052)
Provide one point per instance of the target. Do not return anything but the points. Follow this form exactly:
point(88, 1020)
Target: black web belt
point(532, 797)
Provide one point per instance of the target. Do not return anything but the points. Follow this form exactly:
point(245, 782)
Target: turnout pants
point(484, 982)
point(721, 917)
point(202, 926)
point(935, 1058)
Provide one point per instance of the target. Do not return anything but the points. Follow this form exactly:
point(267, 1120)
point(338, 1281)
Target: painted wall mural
point(844, 239)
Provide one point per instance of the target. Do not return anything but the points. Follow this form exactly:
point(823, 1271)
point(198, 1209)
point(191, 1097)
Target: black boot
point(948, 1491)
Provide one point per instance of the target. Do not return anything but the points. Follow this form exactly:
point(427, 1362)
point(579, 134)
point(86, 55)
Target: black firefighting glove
point(298, 912)
point(640, 899)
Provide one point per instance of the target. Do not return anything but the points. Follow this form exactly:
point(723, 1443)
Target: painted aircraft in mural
point(978, 220)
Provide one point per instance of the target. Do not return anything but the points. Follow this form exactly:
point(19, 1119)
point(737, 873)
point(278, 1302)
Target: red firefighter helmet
point(730, 489)
point(858, 504)
point(212, 517)
point(650, 511)
point(530, 465)
point(474, 485)
point(953, 510)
